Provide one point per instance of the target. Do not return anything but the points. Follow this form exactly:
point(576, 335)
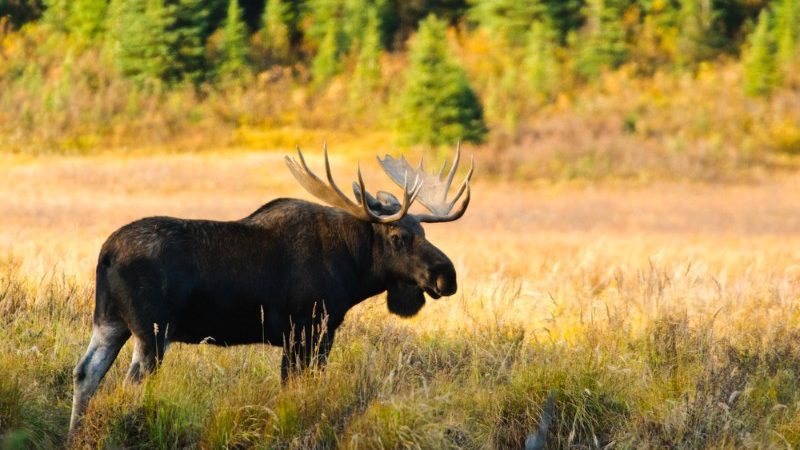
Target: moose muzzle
point(443, 281)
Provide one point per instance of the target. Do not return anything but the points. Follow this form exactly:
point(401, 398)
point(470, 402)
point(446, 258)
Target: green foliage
point(506, 96)
point(153, 41)
point(511, 20)
point(141, 38)
point(656, 44)
point(605, 44)
point(541, 64)
point(56, 14)
point(437, 104)
point(519, 56)
point(187, 49)
point(787, 33)
point(508, 19)
point(323, 14)
point(696, 21)
point(276, 34)
point(338, 27)
point(355, 14)
point(759, 61)
point(233, 47)
point(563, 16)
point(367, 74)
point(86, 18)
point(326, 62)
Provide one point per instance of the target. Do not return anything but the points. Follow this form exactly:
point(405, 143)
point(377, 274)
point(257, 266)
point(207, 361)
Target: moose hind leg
point(311, 348)
point(107, 340)
point(147, 354)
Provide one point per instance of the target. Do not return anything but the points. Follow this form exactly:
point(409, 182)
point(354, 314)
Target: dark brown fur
point(300, 264)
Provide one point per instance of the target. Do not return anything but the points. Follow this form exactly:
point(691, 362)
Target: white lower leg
point(106, 342)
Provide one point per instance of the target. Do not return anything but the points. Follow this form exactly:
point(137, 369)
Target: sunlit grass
point(662, 316)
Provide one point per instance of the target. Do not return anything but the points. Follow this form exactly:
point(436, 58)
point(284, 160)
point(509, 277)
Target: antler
point(332, 195)
point(434, 194)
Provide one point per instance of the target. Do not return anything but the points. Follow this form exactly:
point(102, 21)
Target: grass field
point(659, 315)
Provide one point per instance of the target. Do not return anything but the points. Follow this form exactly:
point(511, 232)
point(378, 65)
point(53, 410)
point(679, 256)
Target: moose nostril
point(445, 286)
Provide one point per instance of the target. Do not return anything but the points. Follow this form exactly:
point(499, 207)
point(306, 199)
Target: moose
point(285, 275)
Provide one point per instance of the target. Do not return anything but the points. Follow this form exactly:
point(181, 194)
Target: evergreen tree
point(276, 29)
point(508, 20)
point(657, 41)
point(141, 39)
point(605, 44)
point(696, 20)
point(86, 18)
point(787, 33)
point(367, 73)
point(506, 95)
point(354, 21)
point(511, 19)
point(324, 14)
point(541, 64)
point(188, 34)
point(563, 17)
point(157, 38)
point(56, 14)
point(326, 62)
point(759, 61)
point(437, 105)
point(233, 47)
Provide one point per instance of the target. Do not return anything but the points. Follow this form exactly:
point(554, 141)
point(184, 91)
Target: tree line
point(538, 48)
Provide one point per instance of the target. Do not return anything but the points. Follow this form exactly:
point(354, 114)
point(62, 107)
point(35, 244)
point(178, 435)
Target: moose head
point(409, 263)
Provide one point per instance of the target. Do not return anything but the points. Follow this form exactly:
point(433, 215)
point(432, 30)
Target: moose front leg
point(307, 348)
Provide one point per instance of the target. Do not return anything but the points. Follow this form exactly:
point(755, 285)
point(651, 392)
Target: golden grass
point(659, 315)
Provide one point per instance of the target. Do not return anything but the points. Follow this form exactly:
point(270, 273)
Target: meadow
point(657, 315)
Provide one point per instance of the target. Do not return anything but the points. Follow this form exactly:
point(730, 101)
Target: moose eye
point(398, 241)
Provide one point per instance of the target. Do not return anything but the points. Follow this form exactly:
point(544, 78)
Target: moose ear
point(404, 299)
point(388, 200)
point(386, 203)
point(371, 201)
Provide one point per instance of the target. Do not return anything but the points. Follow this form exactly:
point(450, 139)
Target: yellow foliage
point(784, 136)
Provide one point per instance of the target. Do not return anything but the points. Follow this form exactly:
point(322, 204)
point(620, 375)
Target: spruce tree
point(355, 20)
point(139, 30)
point(323, 14)
point(188, 34)
point(86, 18)
point(508, 20)
point(696, 19)
point(656, 42)
point(563, 17)
point(56, 14)
point(326, 62)
point(787, 33)
point(367, 73)
point(605, 44)
point(541, 64)
point(759, 61)
point(233, 47)
point(437, 105)
point(276, 29)
point(157, 38)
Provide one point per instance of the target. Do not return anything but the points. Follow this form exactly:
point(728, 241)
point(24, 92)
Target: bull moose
point(273, 277)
